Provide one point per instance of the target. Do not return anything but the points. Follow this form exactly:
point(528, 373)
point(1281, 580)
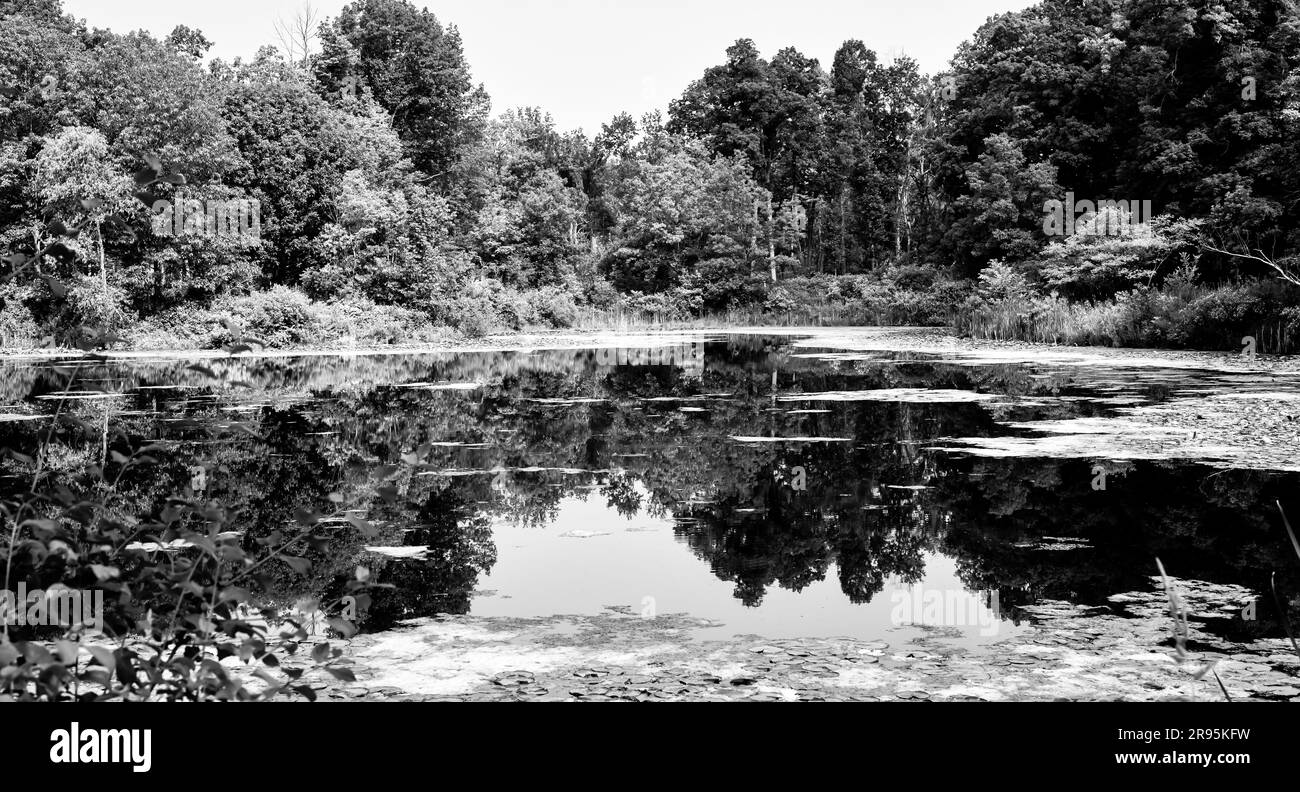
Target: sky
point(584, 61)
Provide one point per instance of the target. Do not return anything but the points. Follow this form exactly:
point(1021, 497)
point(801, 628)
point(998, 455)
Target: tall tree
point(415, 68)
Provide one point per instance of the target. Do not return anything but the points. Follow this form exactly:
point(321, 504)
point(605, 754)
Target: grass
point(1178, 610)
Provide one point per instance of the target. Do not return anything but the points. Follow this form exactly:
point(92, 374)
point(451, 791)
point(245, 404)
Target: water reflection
point(569, 481)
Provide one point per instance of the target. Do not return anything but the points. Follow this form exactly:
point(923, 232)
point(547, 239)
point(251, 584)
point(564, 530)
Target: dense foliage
point(392, 201)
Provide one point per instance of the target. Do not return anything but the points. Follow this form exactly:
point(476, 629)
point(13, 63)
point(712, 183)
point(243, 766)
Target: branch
point(1261, 257)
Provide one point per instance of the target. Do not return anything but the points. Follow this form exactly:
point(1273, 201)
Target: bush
point(91, 304)
point(278, 317)
point(678, 304)
point(18, 328)
point(913, 277)
point(552, 307)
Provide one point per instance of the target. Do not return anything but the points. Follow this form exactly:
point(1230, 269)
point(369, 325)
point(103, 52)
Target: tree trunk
point(771, 240)
point(103, 270)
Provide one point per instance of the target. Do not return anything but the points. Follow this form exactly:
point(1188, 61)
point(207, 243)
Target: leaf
point(67, 652)
point(48, 526)
point(305, 691)
point(367, 530)
point(344, 627)
point(63, 253)
point(103, 572)
point(145, 177)
point(37, 654)
point(344, 674)
point(103, 656)
point(57, 288)
point(320, 652)
point(273, 684)
point(300, 565)
point(234, 594)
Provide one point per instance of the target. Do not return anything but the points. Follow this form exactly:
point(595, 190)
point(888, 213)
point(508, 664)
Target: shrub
point(278, 317)
point(18, 328)
point(91, 304)
point(913, 277)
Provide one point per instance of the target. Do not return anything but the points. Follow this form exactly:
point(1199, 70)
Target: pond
point(779, 486)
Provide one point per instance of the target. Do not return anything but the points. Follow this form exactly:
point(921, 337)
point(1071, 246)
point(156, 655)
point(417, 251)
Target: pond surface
point(762, 485)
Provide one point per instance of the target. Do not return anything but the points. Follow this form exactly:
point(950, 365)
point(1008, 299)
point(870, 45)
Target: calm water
point(761, 488)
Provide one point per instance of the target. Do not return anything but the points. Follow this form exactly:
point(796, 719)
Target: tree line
point(390, 197)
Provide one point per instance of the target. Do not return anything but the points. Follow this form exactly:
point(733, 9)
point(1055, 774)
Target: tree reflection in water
point(430, 466)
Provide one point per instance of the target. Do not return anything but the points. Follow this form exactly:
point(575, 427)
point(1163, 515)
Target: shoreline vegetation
point(1081, 173)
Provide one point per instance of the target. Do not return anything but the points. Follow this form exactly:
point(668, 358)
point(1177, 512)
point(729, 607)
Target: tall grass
point(1201, 317)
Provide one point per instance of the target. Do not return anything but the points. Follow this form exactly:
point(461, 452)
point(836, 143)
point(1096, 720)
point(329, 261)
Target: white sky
point(583, 61)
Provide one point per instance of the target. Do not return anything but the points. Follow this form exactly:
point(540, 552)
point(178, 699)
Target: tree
point(1001, 215)
point(75, 177)
point(297, 35)
point(415, 69)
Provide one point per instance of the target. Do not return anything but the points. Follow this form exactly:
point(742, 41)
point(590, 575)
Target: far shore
point(845, 339)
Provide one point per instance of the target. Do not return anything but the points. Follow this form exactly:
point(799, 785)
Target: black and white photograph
point(652, 351)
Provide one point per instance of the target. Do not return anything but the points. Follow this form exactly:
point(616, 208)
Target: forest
point(1118, 172)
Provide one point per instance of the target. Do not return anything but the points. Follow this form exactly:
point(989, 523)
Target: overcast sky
point(583, 61)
